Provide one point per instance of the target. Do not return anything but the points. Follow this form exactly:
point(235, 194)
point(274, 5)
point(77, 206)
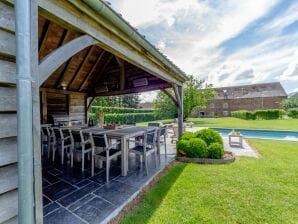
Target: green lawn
point(249, 191)
point(229, 122)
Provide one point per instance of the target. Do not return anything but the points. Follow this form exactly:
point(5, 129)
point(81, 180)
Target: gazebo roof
point(101, 70)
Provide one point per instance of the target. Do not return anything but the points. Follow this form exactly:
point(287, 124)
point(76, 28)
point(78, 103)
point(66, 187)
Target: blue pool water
point(262, 134)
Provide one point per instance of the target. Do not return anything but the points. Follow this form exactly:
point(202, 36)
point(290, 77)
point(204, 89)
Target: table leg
point(124, 160)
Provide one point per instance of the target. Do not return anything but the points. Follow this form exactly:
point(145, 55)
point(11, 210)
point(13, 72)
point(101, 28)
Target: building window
point(225, 105)
point(211, 105)
point(225, 113)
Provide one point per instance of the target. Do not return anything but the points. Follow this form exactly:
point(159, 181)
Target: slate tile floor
point(70, 196)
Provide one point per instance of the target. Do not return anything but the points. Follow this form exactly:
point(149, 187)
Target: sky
point(225, 43)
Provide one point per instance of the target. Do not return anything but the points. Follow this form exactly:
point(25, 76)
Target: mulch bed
point(227, 158)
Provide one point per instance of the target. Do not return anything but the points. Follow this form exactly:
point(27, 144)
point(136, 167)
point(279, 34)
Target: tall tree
point(131, 101)
point(195, 95)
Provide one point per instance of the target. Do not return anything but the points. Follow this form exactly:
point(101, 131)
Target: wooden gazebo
point(56, 56)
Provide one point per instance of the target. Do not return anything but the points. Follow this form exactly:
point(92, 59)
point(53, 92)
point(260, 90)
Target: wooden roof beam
point(92, 70)
point(56, 58)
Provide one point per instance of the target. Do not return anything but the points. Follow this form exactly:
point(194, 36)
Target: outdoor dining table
point(123, 134)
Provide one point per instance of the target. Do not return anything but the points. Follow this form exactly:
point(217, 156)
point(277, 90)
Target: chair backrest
point(100, 140)
point(150, 138)
point(65, 132)
point(162, 131)
point(154, 124)
point(57, 133)
point(84, 136)
point(76, 136)
point(45, 131)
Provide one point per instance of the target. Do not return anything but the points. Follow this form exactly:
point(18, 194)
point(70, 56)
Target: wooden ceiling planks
point(91, 68)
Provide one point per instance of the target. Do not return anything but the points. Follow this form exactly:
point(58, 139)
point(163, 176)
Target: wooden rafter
point(43, 34)
point(100, 73)
point(92, 70)
point(81, 66)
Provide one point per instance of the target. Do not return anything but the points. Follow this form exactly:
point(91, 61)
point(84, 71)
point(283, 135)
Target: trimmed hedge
point(118, 110)
point(243, 114)
point(293, 113)
point(127, 118)
point(259, 114)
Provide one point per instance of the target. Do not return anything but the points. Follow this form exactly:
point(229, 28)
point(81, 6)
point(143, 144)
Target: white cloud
point(190, 33)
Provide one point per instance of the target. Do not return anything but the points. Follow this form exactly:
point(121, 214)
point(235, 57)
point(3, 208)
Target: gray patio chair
point(66, 144)
point(82, 144)
point(147, 148)
point(62, 141)
point(107, 151)
point(162, 138)
point(46, 140)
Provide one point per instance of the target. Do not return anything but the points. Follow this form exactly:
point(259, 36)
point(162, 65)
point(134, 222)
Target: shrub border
point(209, 161)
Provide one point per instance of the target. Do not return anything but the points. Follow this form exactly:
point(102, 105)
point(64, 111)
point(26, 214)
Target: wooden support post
point(44, 107)
point(170, 96)
point(36, 115)
point(179, 95)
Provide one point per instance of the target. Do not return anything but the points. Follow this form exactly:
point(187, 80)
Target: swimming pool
point(262, 134)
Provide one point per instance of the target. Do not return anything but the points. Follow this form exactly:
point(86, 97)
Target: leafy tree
point(289, 103)
point(164, 105)
point(131, 101)
point(195, 95)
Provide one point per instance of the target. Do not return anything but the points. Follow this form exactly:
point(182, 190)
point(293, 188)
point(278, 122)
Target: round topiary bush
point(209, 136)
point(197, 148)
point(215, 151)
point(182, 146)
point(188, 135)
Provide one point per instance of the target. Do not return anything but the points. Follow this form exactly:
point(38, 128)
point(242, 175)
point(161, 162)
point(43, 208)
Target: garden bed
point(228, 157)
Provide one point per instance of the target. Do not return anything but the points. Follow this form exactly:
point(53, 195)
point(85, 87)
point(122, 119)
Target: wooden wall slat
point(8, 178)
point(13, 220)
point(7, 99)
point(7, 19)
point(8, 124)
point(8, 205)
point(7, 43)
point(8, 151)
point(7, 72)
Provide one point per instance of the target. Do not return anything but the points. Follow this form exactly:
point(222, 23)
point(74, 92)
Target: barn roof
point(273, 89)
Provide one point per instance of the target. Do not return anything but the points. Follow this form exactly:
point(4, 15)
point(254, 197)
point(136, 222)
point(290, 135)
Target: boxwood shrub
point(209, 136)
point(198, 148)
point(188, 135)
point(215, 151)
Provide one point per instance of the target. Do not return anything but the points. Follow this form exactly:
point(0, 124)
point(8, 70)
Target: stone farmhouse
point(244, 97)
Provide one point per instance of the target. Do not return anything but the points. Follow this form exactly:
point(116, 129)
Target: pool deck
point(246, 150)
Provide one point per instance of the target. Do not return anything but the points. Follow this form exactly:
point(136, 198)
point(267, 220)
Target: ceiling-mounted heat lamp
point(140, 82)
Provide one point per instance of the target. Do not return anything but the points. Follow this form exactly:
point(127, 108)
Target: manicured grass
point(229, 122)
point(249, 191)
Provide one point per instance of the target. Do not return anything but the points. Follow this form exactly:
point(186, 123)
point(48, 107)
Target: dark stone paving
point(71, 196)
